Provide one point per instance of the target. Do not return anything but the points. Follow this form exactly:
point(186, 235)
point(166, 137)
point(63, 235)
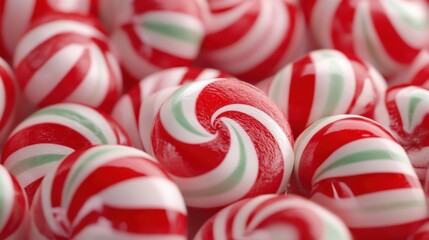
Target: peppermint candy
point(8, 100)
point(222, 140)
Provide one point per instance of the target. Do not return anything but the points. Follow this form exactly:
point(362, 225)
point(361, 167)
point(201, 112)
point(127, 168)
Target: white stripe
point(7, 194)
point(321, 20)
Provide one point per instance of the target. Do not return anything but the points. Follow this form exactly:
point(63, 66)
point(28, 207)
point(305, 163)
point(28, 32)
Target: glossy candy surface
point(324, 83)
point(355, 168)
point(69, 56)
point(8, 100)
point(42, 140)
point(387, 33)
point(14, 207)
point(161, 34)
point(223, 140)
point(274, 217)
point(128, 109)
point(253, 39)
point(137, 201)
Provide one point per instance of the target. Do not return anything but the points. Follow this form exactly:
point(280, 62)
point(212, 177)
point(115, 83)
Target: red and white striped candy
point(324, 83)
point(274, 217)
point(128, 108)
point(355, 168)
point(387, 33)
point(422, 233)
point(253, 39)
point(8, 100)
point(17, 15)
point(223, 140)
point(108, 192)
point(13, 206)
point(406, 115)
point(418, 72)
point(69, 56)
point(162, 34)
point(42, 140)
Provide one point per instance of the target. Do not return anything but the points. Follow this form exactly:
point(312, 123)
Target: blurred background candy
point(43, 139)
point(14, 208)
point(354, 167)
point(324, 83)
point(274, 217)
point(8, 100)
point(253, 39)
point(66, 58)
point(387, 33)
point(108, 192)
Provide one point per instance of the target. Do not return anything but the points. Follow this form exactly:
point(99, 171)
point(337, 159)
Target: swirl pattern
point(355, 168)
point(387, 33)
point(42, 140)
point(70, 57)
point(138, 201)
point(324, 83)
point(129, 107)
point(221, 141)
point(13, 207)
point(253, 39)
point(274, 217)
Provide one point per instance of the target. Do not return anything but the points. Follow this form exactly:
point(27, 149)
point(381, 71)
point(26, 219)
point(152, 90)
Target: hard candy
point(108, 192)
point(253, 39)
point(355, 168)
point(42, 140)
point(8, 100)
point(128, 108)
point(70, 57)
point(274, 217)
point(387, 33)
point(325, 83)
point(14, 208)
point(222, 140)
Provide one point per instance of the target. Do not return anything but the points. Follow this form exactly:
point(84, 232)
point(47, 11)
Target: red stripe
point(421, 78)
point(186, 7)
point(342, 27)
point(301, 94)
point(307, 8)
point(31, 189)
point(395, 232)
point(393, 43)
point(10, 97)
point(361, 74)
point(114, 89)
point(4, 53)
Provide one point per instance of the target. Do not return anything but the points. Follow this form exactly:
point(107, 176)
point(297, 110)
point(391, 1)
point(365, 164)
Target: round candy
point(274, 217)
point(8, 100)
point(127, 109)
point(417, 74)
point(13, 205)
point(355, 168)
point(223, 140)
point(253, 39)
point(162, 34)
point(69, 56)
point(42, 140)
point(406, 115)
point(387, 33)
point(17, 15)
point(108, 192)
point(324, 83)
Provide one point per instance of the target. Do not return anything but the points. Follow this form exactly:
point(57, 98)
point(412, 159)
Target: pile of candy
point(214, 119)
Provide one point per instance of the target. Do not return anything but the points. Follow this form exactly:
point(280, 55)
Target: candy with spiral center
point(355, 168)
point(17, 15)
point(406, 115)
point(274, 217)
point(108, 192)
point(162, 34)
point(324, 83)
point(387, 33)
point(223, 140)
point(13, 205)
point(69, 56)
point(43, 139)
point(253, 39)
point(128, 108)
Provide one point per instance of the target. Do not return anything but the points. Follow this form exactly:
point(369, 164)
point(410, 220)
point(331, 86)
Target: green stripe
point(362, 156)
point(175, 31)
point(394, 206)
point(89, 159)
point(331, 232)
point(229, 182)
point(179, 113)
point(73, 116)
point(35, 161)
point(408, 17)
point(336, 85)
point(414, 101)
